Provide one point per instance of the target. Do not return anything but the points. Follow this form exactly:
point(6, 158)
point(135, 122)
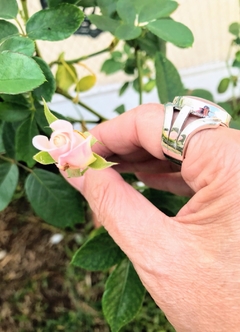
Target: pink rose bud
point(68, 147)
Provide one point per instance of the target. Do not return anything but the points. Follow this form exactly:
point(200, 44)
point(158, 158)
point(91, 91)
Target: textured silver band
point(176, 134)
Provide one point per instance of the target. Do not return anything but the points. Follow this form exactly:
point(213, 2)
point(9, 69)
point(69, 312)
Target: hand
point(190, 264)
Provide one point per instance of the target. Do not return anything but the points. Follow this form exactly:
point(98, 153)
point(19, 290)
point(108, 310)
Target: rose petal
point(80, 157)
point(76, 139)
point(65, 136)
point(41, 143)
point(62, 126)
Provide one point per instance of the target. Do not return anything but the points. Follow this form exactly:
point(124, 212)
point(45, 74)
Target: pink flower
point(68, 147)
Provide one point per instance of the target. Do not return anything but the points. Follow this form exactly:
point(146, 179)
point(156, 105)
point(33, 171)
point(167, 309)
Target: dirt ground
point(39, 289)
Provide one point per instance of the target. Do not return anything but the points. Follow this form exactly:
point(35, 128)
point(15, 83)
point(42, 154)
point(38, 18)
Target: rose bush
point(68, 147)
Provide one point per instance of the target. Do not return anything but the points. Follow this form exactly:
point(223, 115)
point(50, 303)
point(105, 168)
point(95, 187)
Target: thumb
point(133, 222)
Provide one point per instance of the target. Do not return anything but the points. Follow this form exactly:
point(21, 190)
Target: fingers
point(133, 222)
point(134, 134)
point(172, 182)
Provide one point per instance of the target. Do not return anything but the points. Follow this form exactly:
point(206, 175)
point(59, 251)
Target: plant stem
point(85, 57)
point(12, 161)
point(38, 53)
point(107, 49)
point(66, 95)
point(19, 24)
point(25, 10)
point(139, 68)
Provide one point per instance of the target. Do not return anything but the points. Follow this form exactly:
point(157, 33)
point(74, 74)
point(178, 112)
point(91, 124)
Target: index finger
point(135, 130)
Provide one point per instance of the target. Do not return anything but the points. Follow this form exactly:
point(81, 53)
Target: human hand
point(190, 263)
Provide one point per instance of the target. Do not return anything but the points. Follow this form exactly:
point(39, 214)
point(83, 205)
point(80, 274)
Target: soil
point(40, 291)
point(38, 286)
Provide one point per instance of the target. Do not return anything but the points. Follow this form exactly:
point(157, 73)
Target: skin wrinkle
point(101, 201)
point(175, 185)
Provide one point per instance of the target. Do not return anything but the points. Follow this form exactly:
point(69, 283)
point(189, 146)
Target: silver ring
point(176, 134)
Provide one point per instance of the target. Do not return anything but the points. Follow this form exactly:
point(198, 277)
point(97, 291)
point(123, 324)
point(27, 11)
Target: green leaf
point(19, 73)
point(42, 121)
point(17, 99)
point(157, 9)
point(123, 296)
point(54, 24)
point(237, 56)
point(2, 148)
point(172, 31)
point(150, 43)
point(13, 112)
point(8, 9)
point(87, 3)
point(236, 63)
point(107, 8)
point(127, 31)
point(116, 55)
point(86, 83)
point(202, 93)
point(24, 135)
point(48, 114)
point(130, 66)
point(149, 85)
point(8, 136)
point(168, 203)
point(18, 44)
point(168, 80)
point(44, 158)
point(120, 109)
point(223, 85)
point(235, 124)
point(98, 253)
point(54, 3)
point(47, 89)
point(53, 199)
point(136, 84)
point(104, 23)
point(66, 76)
point(123, 88)
point(7, 29)
point(111, 66)
point(100, 163)
point(227, 105)
point(8, 183)
point(127, 11)
point(234, 29)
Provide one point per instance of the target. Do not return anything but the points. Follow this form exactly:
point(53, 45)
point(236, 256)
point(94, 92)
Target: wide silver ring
point(176, 133)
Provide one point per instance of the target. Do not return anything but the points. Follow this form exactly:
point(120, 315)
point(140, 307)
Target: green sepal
point(49, 116)
point(75, 173)
point(93, 139)
point(44, 158)
point(100, 163)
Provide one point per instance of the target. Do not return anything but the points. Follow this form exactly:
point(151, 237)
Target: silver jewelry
point(176, 135)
